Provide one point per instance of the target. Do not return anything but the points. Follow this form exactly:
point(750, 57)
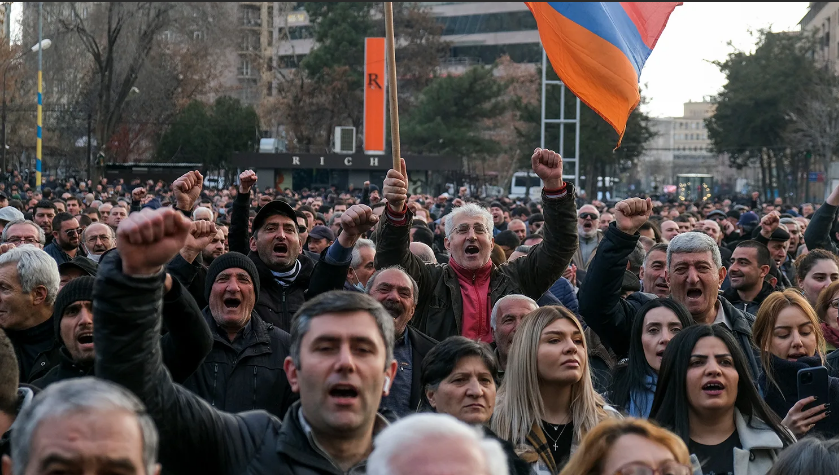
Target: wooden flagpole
point(391, 85)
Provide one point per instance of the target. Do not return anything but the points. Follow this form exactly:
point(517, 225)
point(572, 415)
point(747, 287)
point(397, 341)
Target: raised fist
point(395, 188)
point(547, 164)
point(187, 188)
point(631, 213)
point(4, 248)
point(769, 224)
point(246, 181)
point(355, 222)
point(138, 193)
point(201, 233)
point(148, 239)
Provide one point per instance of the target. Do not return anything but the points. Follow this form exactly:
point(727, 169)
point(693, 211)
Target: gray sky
point(678, 69)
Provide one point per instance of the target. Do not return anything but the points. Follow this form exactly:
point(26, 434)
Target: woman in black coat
point(788, 334)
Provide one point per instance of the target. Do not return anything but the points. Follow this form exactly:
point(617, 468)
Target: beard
point(395, 309)
point(586, 234)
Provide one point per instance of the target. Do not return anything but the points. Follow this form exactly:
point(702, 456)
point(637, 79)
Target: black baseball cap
point(83, 263)
point(271, 209)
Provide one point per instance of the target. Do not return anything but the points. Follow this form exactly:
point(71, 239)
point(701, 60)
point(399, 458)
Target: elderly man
point(83, 426)
point(9, 214)
point(432, 444)
point(98, 239)
point(456, 298)
point(694, 274)
point(397, 291)
point(66, 238)
point(202, 214)
point(590, 236)
point(23, 233)
point(506, 316)
point(362, 265)
point(341, 364)
point(30, 279)
point(244, 370)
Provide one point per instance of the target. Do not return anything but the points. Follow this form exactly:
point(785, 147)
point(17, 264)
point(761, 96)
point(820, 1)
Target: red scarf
point(831, 335)
point(474, 288)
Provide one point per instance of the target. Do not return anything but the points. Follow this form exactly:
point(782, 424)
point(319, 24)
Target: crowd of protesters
point(175, 328)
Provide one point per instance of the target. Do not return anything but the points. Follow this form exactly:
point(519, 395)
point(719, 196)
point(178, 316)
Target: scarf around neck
point(287, 278)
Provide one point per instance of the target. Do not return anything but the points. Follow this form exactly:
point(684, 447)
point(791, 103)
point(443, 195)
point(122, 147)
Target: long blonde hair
point(519, 402)
point(765, 321)
point(597, 444)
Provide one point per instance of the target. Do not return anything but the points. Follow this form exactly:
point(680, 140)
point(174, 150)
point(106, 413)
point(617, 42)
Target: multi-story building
point(824, 17)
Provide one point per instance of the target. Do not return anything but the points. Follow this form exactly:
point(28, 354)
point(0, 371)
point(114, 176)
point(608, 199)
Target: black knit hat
point(227, 261)
point(78, 289)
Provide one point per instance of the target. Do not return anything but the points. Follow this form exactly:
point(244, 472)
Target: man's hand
point(769, 224)
point(571, 274)
point(631, 213)
point(547, 164)
point(138, 194)
point(187, 188)
point(201, 233)
point(246, 181)
point(457, 203)
point(395, 188)
point(4, 248)
point(355, 222)
point(148, 239)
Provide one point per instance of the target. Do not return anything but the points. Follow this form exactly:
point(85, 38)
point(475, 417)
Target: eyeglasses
point(670, 467)
point(588, 216)
point(834, 303)
point(18, 240)
point(464, 229)
point(73, 232)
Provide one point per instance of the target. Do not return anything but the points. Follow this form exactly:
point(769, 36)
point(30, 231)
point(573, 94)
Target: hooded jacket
point(440, 311)
point(194, 436)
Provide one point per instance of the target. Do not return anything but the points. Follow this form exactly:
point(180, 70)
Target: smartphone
point(813, 382)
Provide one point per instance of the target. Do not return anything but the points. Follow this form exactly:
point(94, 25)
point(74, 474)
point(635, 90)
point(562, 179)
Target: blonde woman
point(630, 447)
point(788, 334)
point(547, 403)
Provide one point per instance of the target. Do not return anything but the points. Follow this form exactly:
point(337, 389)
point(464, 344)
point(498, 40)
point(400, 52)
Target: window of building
point(245, 67)
point(487, 23)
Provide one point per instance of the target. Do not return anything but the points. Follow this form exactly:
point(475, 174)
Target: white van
point(518, 186)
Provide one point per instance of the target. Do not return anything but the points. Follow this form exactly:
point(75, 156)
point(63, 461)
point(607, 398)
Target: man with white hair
point(506, 316)
point(588, 219)
point(83, 425)
point(694, 274)
point(431, 444)
point(30, 279)
point(457, 298)
point(425, 253)
point(202, 214)
point(361, 265)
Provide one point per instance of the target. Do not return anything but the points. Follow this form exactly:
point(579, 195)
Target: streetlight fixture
point(41, 45)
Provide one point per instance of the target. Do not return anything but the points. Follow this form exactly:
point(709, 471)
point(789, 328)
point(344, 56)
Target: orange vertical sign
point(375, 82)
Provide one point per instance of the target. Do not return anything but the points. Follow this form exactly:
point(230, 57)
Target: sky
point(679, 68)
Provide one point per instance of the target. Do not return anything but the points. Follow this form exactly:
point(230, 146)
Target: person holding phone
point(790, 339)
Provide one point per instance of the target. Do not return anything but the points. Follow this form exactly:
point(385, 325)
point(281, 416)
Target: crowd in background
point(180, 328)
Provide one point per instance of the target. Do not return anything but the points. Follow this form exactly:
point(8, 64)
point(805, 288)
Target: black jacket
point(184, 345)
point(192, 275)
point(749, 307)
point(439, 312)
point(194, 437)
point(817, 235)
point(611, 316)
point(782, 395)
point(421, 344)
point(252, 378)
point(36, 350)
point(276, 304)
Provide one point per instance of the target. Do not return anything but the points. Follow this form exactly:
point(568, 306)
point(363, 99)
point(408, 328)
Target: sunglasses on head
point(588, 216)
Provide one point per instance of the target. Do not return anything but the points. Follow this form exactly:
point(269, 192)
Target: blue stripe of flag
point(609, 21)
point(39, 99)
point(39, 131)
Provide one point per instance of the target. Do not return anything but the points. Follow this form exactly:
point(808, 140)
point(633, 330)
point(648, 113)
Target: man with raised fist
point(456, 298)
point(341, 364)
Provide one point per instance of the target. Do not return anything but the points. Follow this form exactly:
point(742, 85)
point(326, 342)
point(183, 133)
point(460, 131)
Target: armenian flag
point(598, 50)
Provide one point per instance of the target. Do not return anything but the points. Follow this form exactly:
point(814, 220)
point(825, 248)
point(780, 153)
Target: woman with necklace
point(547, 403)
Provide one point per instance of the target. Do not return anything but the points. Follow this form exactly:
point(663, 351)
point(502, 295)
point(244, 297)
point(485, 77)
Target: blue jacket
point(564, 291)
